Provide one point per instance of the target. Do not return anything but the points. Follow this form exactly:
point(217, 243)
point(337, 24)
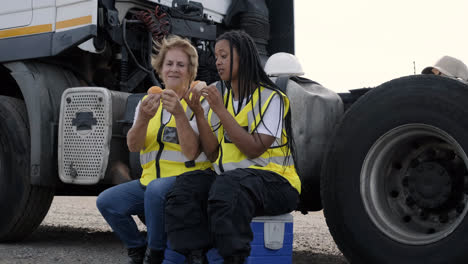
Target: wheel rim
point(414, 184)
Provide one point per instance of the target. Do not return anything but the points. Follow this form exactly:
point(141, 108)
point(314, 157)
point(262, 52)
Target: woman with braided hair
point(246, 135)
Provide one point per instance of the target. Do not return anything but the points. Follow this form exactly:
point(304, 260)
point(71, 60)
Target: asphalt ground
point(74, 232)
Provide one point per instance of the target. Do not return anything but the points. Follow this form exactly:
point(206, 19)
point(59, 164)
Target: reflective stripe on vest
point(261, 162)
point(169, 155)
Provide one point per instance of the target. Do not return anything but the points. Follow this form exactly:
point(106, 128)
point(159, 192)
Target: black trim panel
point(193, 29)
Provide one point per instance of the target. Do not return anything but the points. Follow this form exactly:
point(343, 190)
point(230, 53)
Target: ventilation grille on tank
point(84, 135)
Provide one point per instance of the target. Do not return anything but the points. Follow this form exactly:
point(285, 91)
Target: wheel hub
point(414, 184)
point(430, 185)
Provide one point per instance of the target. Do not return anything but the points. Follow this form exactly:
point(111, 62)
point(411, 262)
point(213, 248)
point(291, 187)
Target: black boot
point(154, 256)
point(136, 255)
point(234, 260)
point(196, 257)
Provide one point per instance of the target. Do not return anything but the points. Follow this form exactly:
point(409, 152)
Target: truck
point(386, 164)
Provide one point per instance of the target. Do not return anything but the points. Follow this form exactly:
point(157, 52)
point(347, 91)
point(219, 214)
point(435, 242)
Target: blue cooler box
point(273, 238)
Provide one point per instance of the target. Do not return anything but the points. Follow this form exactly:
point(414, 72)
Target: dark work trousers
point(186, 222)
point(235, 197)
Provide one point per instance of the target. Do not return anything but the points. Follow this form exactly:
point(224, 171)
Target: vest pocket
point(182, 211)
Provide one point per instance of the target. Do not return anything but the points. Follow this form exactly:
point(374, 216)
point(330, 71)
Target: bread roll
point(155, 90)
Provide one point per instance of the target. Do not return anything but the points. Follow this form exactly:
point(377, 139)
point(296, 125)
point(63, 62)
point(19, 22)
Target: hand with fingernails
point(170, 102)
point(213, 97)
point(149, 106)
point(193, 101)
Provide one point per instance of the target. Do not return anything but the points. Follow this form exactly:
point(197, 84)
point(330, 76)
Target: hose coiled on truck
point(157, 22)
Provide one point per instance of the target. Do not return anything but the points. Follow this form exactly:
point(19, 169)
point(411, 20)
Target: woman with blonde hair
point(168, 143)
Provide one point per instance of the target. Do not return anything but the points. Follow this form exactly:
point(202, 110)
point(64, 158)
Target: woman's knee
point(111, 200)
point(158, 189)
point(152, 190)
point(224, 190)
point(104, 201)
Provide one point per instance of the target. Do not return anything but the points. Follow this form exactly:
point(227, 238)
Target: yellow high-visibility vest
point(162, 155)
point(277, 158)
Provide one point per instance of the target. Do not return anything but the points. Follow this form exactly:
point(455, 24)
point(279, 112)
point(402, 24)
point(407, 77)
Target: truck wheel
point(22, 206)
point(395, 179)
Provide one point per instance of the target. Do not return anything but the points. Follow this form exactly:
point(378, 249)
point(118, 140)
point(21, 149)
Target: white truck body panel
point(15, 13)
point(42, 3)
point(47, 16)
point(76, 13)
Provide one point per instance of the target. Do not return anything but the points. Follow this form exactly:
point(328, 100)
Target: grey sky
point(362, 43)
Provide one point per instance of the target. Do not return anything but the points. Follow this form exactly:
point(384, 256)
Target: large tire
point(23, 207)
point(395, 179)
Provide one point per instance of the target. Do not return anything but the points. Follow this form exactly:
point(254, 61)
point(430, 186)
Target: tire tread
point(38, 198)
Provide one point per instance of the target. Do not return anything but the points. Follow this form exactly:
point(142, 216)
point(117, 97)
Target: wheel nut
point(409, 201)
point(406, 218)
point(397, 165)
point(394, 194)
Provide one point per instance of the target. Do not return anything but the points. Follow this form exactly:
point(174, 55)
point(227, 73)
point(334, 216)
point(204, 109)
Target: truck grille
point(85, 130)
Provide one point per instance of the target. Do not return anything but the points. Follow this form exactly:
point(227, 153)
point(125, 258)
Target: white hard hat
point(449, 66)
point(283, 63)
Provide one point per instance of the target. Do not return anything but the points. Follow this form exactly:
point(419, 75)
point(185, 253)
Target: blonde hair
point(172, 42)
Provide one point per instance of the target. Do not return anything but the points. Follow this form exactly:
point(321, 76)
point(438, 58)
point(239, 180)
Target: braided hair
point(251, 77)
